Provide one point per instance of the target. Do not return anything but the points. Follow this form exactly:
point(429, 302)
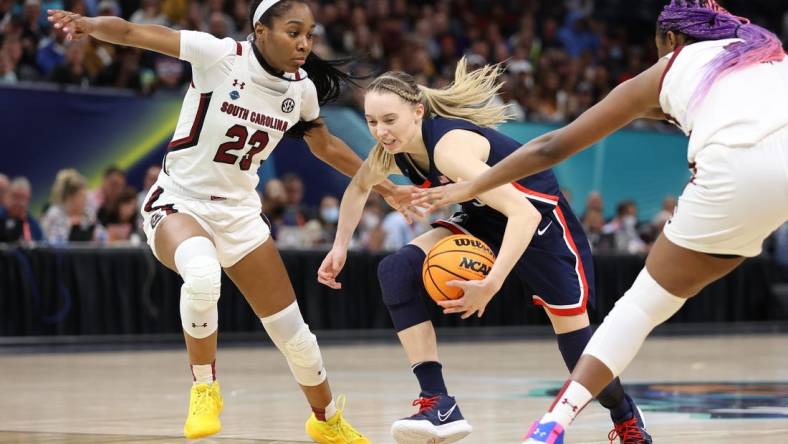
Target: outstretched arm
point(350, 211)
point(336, 153)
point(116, 30)
point(637, 97)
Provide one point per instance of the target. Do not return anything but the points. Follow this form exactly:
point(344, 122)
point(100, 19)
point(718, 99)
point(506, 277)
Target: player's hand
point(401, 199)
point(476, 295)
point(438, 197)
point(73, 25)
point(330, 268)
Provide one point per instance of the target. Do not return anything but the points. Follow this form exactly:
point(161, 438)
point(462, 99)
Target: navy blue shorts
point(557, 268)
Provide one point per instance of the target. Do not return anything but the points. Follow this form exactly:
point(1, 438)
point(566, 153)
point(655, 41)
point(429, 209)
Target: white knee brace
point(644, 306)
point(293, 338)
point(199, 267)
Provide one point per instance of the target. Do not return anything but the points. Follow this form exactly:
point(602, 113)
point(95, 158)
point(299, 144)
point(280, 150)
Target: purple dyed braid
point(706, 20)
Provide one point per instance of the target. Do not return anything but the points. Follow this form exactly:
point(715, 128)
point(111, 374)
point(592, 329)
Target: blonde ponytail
point(469, 97)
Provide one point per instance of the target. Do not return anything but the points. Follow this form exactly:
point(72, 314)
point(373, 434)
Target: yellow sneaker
point(336, 430)
point(205, 405)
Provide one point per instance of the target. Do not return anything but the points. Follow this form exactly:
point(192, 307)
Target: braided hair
point(468, 98)
point(701, 20)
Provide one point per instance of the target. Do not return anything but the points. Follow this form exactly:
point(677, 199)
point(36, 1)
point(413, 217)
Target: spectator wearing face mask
point(371, 234)
point(329, 215)
point(625, 230)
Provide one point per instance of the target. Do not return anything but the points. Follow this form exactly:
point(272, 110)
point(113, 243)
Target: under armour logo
point(574, 407)
point(155, 219)
point(198, 325)
point(240, 85)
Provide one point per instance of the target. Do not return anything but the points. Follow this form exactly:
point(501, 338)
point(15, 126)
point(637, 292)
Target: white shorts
point(236, 227)
point(736, 199)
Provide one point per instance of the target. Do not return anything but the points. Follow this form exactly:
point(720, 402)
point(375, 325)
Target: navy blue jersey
point(541, 189)
point(557, 267)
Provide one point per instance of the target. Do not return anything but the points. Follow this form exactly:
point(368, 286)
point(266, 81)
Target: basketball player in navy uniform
point(724, 82)
point(435, 137)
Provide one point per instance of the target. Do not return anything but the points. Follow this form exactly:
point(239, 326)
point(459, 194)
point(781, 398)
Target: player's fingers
point(453, 310)
point(66, 21)
point(329, 283)
point(422, 197)
point(452, 303)
point(56, 14)
point(327, 275)
point(406, 214)
point(459, 284)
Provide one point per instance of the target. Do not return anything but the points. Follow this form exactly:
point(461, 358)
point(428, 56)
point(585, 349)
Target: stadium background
point(91, 106)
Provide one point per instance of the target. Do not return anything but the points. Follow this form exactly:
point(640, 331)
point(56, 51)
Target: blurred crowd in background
point(110, 214)
point(560, 56)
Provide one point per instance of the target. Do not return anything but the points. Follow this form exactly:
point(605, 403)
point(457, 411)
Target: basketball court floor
point(701, 389)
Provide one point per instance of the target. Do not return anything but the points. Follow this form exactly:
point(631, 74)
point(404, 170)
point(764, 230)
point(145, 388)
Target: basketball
point(459, 257)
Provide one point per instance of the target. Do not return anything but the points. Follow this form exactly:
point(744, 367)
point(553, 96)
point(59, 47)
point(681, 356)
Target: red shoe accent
point(425, 403)
point(628, 431)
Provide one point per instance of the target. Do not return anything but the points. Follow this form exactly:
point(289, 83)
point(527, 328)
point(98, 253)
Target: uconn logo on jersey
point(288, 105)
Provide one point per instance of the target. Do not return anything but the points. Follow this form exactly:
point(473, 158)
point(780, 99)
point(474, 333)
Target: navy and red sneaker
point(630, 429)
point(438, 420)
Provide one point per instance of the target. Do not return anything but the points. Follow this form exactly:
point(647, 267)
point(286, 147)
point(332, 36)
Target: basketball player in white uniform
point(724, 82)
point(203, 214)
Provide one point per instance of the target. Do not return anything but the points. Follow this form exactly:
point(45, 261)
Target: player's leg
point(558, 269)
point(573, 332)
point(183, 245)
point(672, 275)
point(721, 212)
point(438, 419)
point(262, 278)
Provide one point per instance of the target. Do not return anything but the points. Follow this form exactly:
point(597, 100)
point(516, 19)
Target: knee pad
point(403, 291)
point(644, 306)
point(294, 339)
point(197, 264)
point(202, 278)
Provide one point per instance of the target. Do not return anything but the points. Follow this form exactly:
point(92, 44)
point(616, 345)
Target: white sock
point(331, 409)
point(203, 373)
point(568, 404)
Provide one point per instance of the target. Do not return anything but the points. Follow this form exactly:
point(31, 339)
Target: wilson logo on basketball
point(476, 266)
point(465, 242)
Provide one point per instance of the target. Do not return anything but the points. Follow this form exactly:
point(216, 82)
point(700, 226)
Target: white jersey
point(234, 114)
point(741, 108)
